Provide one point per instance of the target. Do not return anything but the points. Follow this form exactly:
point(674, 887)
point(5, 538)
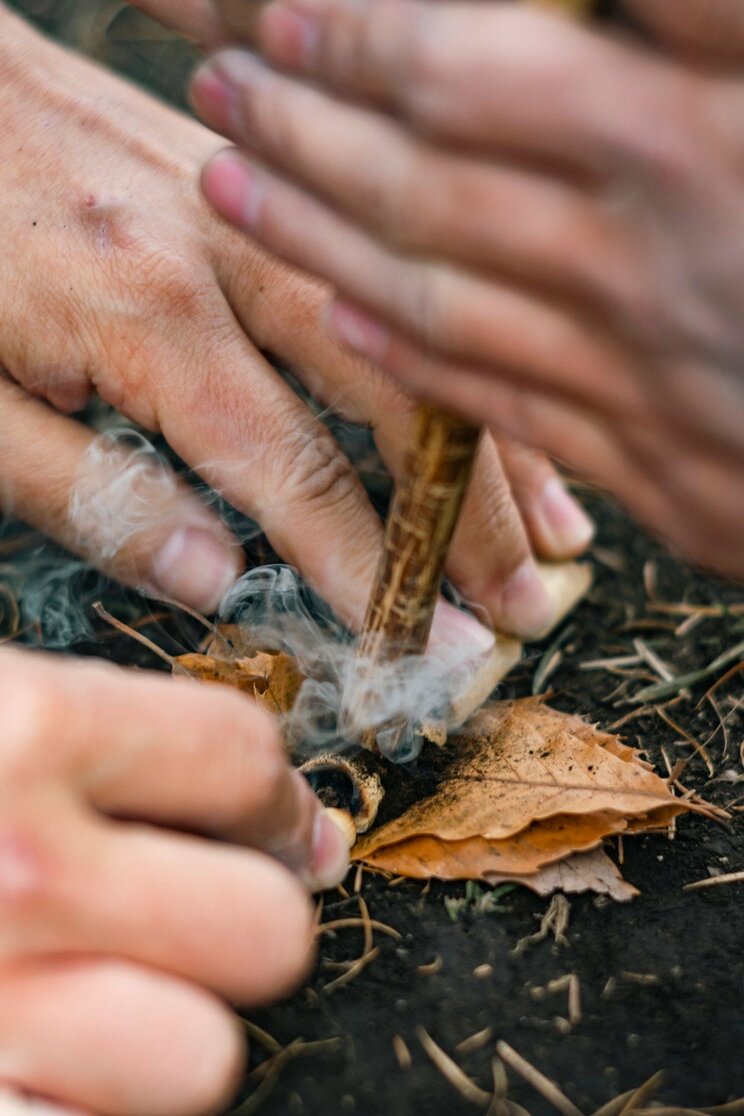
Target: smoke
point(123, 480)
point(281, 612)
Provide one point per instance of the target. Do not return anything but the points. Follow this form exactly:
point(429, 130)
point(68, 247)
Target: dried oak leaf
point(528, 786)
point(273, 678)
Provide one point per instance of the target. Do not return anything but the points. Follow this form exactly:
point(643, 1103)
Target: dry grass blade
point(353, 971)
point(276, 1065)
point(615, 1106)
point(402, 1053)
point(357, 924)
point(642, 1094)
point(263, 1037)
point(684, 681)
point(539, 1082)
point(474, 1042)
point(452, 1072)
point(715, 881)
point(699, 748)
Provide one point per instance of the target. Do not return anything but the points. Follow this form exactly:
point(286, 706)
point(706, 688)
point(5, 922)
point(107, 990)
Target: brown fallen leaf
point(528, 786)
point(272, 678)
point(584, 871)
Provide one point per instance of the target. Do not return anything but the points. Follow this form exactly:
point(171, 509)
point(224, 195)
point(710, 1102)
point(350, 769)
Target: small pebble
point(483, 972)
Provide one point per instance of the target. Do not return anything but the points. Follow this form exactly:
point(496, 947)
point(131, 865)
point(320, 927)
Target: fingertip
point(559, 526)
point(196, 566)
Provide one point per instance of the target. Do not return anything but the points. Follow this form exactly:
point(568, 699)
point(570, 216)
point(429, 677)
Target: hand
point(118, 938)
point(116, 276)
point(527, 220)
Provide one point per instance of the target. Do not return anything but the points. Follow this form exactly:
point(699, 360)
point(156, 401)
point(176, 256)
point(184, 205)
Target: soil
point(661, 978)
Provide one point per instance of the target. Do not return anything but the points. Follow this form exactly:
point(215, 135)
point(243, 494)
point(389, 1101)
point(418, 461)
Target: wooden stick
point(422, 520)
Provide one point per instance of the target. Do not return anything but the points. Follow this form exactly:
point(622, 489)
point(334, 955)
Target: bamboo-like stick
point(422, 520)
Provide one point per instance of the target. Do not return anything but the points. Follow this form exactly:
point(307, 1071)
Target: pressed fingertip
point(330, 855)
point(195, 567)
point(457, 635)
point(565, 527)
point(523, 608)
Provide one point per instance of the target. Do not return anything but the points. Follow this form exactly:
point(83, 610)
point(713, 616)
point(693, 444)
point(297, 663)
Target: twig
point(699, 748)
point(474, 1042)
point(683, 681)
point(715, 881)
point(126, 630)
point(650, 657)
point(539, 1082)
point(263, 1037)
point(643, 1093)
point(450, 1070)
point(402, 1053)
point(353, 923)
point(353, 971)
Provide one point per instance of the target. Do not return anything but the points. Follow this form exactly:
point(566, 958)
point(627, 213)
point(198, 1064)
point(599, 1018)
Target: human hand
point(527, 220)
point(117, 276)
point(121, 927)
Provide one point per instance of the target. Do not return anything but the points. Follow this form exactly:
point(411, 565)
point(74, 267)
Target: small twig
point(684, 681)
point(263, 1037)
point(474, 1042)
point(699, 748)
point(354, 923)
point(651, 659)
point(643, 1093)
point(126, 630)
point(574, 1000)
point(539, 1082)
point(353, 971)
point(450, 1070)
point(402, 1053)
point(368, 928)
point(715, 881)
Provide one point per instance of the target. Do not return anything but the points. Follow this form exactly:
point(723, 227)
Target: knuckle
point(27, 880)
point(317, 473)
point(167, 278)
point(425, 304)
point(31, 719)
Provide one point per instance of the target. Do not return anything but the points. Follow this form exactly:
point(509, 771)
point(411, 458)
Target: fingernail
point(458, 636)
point(358, 330)
point(330, 855)
point(235, 189)
point(213, 98)
point(567, 527)
point(195, 568)
point(526, 609)
point(289, 37)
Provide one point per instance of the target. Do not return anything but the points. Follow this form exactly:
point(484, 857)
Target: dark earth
point(661, 978)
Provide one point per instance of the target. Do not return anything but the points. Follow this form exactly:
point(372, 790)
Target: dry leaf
point(584, 871)
point(527, 786)
point(272, 678)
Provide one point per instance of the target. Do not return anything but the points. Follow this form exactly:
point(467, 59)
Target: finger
point(462, 315)
point(707, 30)
point(232, 920)
point(416, 198)
point(550, 421)
point(557, 525)
point(13, 1103)
point(175, 753)
point(253, 440)
point(503, 76)
point(197, 19)
point(116, 1040)
point(118, 506)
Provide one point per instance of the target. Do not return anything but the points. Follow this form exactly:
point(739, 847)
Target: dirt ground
point(661, 979)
